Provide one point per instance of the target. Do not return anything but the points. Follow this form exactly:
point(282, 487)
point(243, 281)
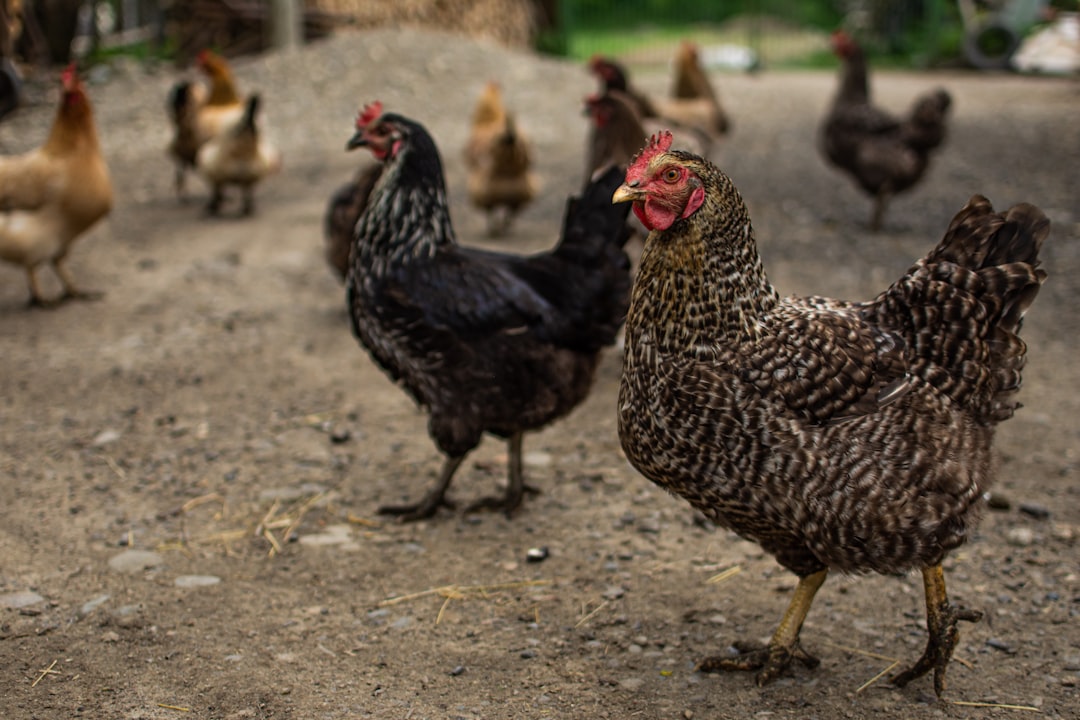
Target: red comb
point(371, 112)
point(841, 42)
point(658, 143)
point(69, 77)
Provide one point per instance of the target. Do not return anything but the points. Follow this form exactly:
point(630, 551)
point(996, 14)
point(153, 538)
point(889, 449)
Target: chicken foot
point(435, 498)
point(877, 216)
point(516, 486)
point(784, 645)
point(217, 197)
point(941, 620)
point(71, 290)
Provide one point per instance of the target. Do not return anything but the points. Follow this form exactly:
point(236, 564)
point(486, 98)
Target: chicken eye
point(671, 175)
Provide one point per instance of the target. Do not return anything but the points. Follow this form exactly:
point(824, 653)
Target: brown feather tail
point(960, 309)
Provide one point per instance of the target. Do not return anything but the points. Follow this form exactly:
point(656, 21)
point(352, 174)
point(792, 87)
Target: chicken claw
point(784, 645)
point(771, 661)
point(941, 620)
point(435, 499)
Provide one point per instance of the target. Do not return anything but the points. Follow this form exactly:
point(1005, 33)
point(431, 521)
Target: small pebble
point(1036, 511)
point(460, 669)
point(133, 561)
point(1020, 537)
point(614, 592)
point(528, 654)
point(194, 581)
point(997, 501)
point(92, 605)
point(18, 600)
point(537, 554)
point(1001, 645)
point(105, 437)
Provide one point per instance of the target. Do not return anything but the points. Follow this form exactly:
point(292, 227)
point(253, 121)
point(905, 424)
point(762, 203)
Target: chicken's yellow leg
point(941, 620)
point(784, 645)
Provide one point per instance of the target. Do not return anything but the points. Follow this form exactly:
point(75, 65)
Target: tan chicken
point(239, 155)
point(694, 101)
point(498, 155)
point(50, 196)
point(488, 120)
point(846, 436)
point(200, 112)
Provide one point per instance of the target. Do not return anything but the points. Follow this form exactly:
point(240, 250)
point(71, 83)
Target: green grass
point(779, 44)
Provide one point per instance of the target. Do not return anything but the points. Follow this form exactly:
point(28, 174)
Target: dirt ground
point(214, 411)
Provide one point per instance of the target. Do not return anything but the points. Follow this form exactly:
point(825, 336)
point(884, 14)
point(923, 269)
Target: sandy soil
point(214, 410)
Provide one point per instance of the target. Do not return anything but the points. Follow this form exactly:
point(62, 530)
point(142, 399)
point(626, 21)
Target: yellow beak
point(627, 193)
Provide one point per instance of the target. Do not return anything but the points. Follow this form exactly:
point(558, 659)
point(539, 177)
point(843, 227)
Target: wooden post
point(286, 18)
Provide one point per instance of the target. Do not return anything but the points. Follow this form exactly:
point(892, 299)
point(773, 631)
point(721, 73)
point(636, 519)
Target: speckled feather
point(851, 436)
point(485, 341)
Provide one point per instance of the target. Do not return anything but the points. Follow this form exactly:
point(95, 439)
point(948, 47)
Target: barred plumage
point(845, 436)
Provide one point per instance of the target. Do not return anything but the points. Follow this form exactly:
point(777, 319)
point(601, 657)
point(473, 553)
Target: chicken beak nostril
point(627, 192)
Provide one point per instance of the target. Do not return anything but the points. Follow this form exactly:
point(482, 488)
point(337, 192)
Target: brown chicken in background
point(346, 206)
point(693, 96)
point(51, 195)
point(884, 154)
point(852, 436)
point(239, 155)
point(488, 120)
point(498, 156)
point(695, 108)
point(200, 112)
point(486, 342)
point(617, 132)
point(613, 76)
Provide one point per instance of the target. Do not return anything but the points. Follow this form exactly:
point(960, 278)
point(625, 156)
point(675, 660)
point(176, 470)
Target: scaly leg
point(941, 620)
point(881, 204)
point(217, 196)
point(784, 645)
point(515, 488)
point(71, 290)
point(248, 208)
point(180, 180)
point(431, 502)
point(36, 298)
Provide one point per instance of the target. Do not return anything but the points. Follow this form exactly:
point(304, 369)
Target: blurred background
point(736, 34)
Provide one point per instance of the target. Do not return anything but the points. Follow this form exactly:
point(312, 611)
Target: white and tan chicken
point(53, 194)
point(240, 155)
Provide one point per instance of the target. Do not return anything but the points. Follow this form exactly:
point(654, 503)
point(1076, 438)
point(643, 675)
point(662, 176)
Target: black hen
point(884, 154)
point(487, 342)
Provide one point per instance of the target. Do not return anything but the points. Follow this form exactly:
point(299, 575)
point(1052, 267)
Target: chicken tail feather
point(962, 306)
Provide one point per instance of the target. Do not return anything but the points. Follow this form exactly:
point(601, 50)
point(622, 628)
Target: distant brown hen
point(837, 435)
point(884, 154)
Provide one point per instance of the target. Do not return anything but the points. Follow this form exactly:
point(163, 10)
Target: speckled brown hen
point(845, 436)
point(487, 342)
